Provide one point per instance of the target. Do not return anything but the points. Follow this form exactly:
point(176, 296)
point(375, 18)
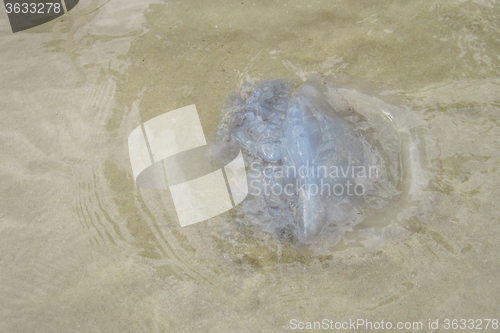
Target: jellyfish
point(320, 157)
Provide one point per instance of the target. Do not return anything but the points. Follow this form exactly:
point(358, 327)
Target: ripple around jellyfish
point(334, 163)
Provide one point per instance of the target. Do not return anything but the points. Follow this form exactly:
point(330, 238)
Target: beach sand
point(83, 249)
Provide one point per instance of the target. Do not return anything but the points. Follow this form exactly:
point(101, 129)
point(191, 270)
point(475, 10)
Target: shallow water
point(82, 248)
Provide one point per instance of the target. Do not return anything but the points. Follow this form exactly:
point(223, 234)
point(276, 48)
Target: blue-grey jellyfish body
point(314, 163)
point(314, 139)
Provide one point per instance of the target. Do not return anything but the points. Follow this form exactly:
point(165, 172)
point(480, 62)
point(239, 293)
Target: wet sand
point(83, 249)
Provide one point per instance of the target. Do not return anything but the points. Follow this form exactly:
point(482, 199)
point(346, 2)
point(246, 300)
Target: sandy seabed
point(83, 249)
